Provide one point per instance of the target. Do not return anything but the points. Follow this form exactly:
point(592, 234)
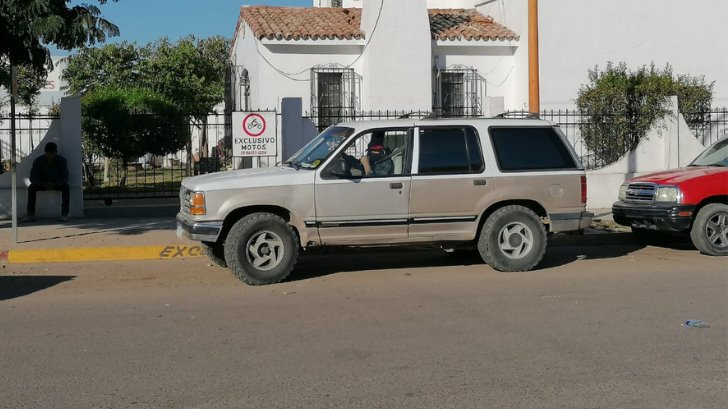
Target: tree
point(127, 123)
point(115, 65)
point(28, 26)
point(621, 105)
point(191, 72)
point(29, 85)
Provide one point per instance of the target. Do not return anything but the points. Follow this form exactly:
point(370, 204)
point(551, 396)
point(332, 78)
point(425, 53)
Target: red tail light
point(583, 190)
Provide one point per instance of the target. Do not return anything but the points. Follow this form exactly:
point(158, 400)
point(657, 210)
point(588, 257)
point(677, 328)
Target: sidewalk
point(147, 238)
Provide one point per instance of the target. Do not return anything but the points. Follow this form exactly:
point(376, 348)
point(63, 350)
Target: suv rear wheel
point(710, 230)
point(261, 248)
point(512, 239)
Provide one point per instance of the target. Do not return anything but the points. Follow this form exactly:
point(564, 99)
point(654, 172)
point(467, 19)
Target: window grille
point(334, 94)
point(459, 92)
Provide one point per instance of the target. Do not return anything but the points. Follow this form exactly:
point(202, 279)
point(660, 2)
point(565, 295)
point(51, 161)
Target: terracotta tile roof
point(295, 23)
point(466, 24)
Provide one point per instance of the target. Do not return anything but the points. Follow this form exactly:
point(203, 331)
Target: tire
point(261, 249)
point(216, 253)
point(709, 233)
point(513, 238)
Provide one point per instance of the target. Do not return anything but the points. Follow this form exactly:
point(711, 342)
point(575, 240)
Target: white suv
point(496, 184)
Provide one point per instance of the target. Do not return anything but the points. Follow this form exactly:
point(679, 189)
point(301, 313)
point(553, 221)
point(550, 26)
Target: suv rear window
point(449, 151)
point(530, 148)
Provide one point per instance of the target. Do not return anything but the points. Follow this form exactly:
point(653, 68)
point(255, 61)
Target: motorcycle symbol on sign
point(254, 125)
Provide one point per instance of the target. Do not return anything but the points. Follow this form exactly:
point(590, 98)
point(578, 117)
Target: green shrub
point(621, 105)
point(127, 123)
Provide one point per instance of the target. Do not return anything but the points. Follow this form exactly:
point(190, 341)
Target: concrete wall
point(669, 144)
point(398, 59)
point(576, 35)
point(66, 132)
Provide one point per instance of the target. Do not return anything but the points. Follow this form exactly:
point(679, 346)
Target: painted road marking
point(59, 255)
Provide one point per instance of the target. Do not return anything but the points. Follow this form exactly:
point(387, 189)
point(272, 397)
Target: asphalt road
point(596, 327)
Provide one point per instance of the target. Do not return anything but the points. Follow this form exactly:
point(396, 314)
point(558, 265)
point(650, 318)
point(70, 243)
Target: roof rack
point(528, 115)
point(430, 115)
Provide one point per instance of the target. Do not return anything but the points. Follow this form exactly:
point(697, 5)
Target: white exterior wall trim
point(477, 43)
point(309, 42)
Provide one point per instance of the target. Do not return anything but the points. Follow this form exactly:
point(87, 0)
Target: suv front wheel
point(513, 238)
point(261, 248)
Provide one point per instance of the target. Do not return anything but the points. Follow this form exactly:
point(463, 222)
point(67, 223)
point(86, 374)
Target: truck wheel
point(261, 248)
point(215, 252)
point(512, 239)
point(710, 230)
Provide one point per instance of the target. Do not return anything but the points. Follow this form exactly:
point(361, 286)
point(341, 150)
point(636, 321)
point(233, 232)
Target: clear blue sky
point(143, 21)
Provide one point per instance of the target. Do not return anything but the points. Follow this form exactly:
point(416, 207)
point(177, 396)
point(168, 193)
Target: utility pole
point(13, 165)
point(534, 101)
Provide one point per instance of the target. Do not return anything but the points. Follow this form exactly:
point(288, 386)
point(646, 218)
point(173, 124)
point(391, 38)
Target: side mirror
point(338, 168)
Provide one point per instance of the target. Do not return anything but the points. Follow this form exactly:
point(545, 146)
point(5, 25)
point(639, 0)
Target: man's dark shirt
point(45, 171)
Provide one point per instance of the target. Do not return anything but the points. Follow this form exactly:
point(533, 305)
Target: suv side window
point(449, 151)
point(530, 148)
point(384, 150)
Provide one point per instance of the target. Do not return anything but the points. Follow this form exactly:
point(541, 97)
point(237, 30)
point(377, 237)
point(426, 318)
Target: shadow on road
point(558, 256)
point(320, 264)
point(53, 230)
point(19, 286)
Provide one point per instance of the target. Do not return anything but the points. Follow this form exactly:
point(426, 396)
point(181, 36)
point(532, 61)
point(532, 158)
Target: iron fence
point(29, 131)
point(337, 115)
point(205, 147)
point(708, 126)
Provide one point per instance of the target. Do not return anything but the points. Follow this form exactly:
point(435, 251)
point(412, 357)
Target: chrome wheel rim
point(515, 240)
point(716, 230)
point(265, 250)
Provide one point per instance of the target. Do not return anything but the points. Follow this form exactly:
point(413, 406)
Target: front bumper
point(653, 216)
point(200, 231)
point(564, 222)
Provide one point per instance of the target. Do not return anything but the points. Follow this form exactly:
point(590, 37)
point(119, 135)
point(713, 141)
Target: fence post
point(71, 143)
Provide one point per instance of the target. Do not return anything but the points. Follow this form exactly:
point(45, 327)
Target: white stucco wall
point(287, 71)
point(668, 144)
point(396, 67)
point(576, 35)
point(398, 59)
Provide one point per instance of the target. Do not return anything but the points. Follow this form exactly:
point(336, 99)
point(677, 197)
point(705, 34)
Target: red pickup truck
point(693, 199)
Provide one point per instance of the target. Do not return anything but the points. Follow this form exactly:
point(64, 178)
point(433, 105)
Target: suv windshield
point(716, 155)
point(314, 153)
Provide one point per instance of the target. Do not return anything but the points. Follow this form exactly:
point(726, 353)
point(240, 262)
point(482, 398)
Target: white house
point(576, 35)
point(374, 55)
point(462, 55)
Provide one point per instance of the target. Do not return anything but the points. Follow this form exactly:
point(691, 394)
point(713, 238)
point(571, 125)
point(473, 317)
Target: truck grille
point(184, 199)
point(641, 192)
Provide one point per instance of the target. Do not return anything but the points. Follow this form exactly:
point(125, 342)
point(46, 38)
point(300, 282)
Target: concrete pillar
point(70, 146)
point(295, 130)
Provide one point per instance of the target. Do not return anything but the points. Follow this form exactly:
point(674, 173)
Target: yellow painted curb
point(59, 255)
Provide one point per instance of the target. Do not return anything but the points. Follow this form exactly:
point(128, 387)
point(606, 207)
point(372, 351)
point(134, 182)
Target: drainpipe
point(534, 103)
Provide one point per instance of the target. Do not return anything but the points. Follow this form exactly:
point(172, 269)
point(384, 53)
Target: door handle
point(480, 182)
point(396, 185)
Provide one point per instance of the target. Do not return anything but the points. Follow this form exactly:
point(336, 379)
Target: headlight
point(667, 194)
point(622, 192)
point(197, 204)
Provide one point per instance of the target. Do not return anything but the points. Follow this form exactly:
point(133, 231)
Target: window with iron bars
point(334, 94)
point(459, 92)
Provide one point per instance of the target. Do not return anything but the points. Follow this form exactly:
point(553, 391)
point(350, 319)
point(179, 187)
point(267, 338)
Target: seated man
point(375, 162)
point(49, 172)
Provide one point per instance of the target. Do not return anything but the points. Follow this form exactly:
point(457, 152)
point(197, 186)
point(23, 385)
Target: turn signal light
point(197, 204)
